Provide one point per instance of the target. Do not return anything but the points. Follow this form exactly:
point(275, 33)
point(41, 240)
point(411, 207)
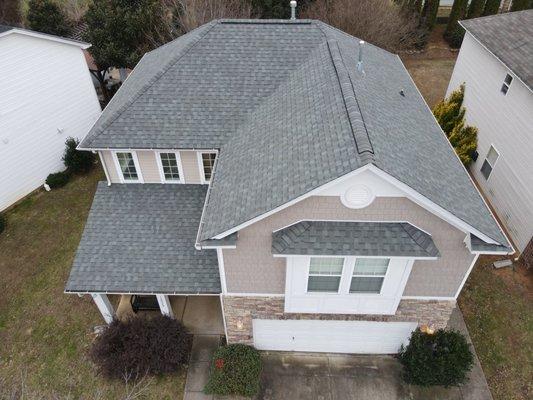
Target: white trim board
point(53, 38)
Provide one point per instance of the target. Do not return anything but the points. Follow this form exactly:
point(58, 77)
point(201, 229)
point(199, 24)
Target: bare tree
point(10, 12)
point(380, 22)
point(187, 15)
point(74, 9)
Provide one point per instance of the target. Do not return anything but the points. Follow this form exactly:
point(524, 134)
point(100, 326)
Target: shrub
point(46, 16)
point(140, 346)
point(449, 112)
point(464, 141)
point(3, 222)
point(443, 358)
point(58, 179)
point(235, 370)
point(75, 160)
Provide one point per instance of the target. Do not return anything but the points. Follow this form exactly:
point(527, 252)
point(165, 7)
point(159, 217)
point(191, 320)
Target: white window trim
point(487, 160)
point(367, 276)
point(339, 290)
point(135, 161)
point(507, 84)
point(348, 267)
point(161, 170)
point(201, 165)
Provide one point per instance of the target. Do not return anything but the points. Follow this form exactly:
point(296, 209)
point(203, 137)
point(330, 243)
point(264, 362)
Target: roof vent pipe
point(293, 9)
point(360, 62)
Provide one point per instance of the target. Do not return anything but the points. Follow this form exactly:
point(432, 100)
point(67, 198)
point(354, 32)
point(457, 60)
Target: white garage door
point(332, 336)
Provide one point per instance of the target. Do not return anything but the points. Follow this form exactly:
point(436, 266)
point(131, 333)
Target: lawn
point(44, 333)
point(498, 309)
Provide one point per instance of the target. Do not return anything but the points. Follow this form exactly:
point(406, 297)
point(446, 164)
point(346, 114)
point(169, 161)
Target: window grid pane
point(170, 166)
point(208, 161)
point(371, 266)
point(486, 169)
point(366, 284)
point(492, 156)
point(127, 166)
point(325, 274)
point(323, 284)
point(326, 266)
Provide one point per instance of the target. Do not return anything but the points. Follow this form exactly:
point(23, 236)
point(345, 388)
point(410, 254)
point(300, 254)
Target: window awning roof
point(140, 239)
point(390, 239)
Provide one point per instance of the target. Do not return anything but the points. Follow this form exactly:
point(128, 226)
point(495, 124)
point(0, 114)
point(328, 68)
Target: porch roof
point(140, 238)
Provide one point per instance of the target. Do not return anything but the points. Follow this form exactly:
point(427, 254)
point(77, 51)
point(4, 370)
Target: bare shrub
point(190, 14)
point(380, 22)
point(141, 346)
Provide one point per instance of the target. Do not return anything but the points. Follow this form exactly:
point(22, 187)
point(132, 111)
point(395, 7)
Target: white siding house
point(499, 102)
point(46, 95)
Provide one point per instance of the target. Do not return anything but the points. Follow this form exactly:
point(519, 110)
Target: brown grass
point(44, 333)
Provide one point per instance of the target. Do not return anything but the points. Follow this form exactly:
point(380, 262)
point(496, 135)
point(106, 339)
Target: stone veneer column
point(239, 312)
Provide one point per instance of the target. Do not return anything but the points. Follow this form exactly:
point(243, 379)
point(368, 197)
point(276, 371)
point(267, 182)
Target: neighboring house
point(46, 96)
point(255, 161)
point(496, 64)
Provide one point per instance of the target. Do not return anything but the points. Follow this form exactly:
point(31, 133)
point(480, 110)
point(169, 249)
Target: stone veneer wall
point(430, 312)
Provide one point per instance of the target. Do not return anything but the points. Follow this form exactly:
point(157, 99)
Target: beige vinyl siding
point(251, 268)
point(191, 168)
point(107, 157)
point(148, 166)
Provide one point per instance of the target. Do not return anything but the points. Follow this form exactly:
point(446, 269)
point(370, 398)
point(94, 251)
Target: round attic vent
point(357, 196)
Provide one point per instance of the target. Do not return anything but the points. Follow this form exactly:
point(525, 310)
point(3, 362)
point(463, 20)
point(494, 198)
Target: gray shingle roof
point(140, 239)
point(289, 111)
point(353, 238)
point(509, 37)
point(479, 245)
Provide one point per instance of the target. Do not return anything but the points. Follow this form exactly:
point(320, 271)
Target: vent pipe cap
point(293, 9)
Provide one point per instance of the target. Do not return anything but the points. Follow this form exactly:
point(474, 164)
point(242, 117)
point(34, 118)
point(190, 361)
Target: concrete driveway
point(318, 376)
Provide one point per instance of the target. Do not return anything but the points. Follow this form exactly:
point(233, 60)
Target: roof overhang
point(45, 36)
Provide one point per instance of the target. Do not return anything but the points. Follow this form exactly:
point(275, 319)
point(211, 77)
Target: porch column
point(164, 305)
point(105, 307)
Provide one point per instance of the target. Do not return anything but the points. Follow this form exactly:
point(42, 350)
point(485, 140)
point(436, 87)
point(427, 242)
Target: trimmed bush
point(77, 161)
point(443, 358)
point(235, 370)
point(141, 346)
point(3, 222)
point(57, 179)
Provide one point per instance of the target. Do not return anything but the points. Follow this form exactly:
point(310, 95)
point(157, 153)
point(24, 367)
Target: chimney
point(293, 9)
point(360, 62)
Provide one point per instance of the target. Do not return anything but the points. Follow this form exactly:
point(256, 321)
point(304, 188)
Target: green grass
point(499, 316)
point(44, 333)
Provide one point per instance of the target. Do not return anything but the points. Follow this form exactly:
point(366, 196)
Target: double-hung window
point(325, 274)
point(128, 166)
point(506, 84)
point(490, 162)
point(207, 162)
point(368, 275)
point(169, 164)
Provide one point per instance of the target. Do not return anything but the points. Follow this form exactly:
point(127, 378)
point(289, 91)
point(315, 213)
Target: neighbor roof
point(140, 239)
point(6, 30)
point(509, 36)
point(389, 239)
point(286, 106)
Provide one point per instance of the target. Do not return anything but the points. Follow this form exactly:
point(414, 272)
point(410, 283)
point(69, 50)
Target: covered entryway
point(358, 337)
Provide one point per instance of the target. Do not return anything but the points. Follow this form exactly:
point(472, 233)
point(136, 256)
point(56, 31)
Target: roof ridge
point(303, 226)
point(154, 78)
point(417, 237)
point(355, 116)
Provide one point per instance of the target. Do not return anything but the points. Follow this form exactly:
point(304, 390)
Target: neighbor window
point(506, 83)
point(368, 275)
point(169, 167)
point(490, 161)
point(325, 274)
point(208, 161)
point(127, 166)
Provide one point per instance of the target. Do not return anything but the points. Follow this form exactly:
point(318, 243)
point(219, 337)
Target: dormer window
point(207, 162)
point(506, 84)
point(128, 166)
point(170, 167)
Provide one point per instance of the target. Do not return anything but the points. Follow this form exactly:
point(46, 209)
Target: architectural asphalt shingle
point(140, 239)
point(289, 111)
point(353, 238)
point(509, 37)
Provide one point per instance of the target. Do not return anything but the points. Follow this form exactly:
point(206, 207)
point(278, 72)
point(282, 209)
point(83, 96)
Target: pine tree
point(475, 9)
point(491, 7)
point(429, 14)
point(450, 116)
point(46, 16)
point(454, 32)
point(519, 5)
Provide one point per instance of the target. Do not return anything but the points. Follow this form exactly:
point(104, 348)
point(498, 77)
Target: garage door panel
point(363, 337)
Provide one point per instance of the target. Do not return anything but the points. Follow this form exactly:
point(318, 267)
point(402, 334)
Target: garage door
point(331, 336)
